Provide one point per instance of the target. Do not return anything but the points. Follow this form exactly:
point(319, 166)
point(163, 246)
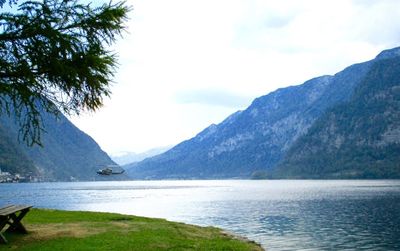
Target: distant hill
point(124, 158)
point(356, 139)
point(251, 143)
point(67, 153)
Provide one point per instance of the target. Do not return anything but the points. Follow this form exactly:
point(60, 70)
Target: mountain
point(257, 139)
point(12, 158)
point(123, 158)
point(67, 152)
point(356, 139)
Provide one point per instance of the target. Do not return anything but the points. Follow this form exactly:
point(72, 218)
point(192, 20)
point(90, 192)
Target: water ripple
point(281, 215)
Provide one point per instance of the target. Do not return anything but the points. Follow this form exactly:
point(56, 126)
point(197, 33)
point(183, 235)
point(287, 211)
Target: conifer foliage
point(54, 54)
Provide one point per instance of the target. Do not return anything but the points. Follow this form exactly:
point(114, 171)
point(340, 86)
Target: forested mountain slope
point(357, 139)
point(67, 152)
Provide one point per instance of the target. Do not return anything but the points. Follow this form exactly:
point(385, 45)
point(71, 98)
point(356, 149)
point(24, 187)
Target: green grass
point(65, 230)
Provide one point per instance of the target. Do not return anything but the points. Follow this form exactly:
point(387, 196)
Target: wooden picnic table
point(12, 215)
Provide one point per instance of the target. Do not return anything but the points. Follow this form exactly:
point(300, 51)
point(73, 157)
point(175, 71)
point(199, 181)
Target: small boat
point(109, 171)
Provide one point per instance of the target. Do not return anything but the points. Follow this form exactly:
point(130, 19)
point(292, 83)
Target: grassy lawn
point(64, 230)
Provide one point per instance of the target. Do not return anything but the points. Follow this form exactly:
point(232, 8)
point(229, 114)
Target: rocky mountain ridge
point(258, 138)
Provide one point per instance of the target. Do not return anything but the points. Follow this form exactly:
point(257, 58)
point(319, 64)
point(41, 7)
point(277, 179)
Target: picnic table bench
point(8, 216)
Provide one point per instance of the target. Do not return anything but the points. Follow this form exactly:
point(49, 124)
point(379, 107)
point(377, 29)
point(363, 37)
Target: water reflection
point(282, 215)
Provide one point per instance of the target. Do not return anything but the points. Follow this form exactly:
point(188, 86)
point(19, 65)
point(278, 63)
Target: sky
point(184, 64)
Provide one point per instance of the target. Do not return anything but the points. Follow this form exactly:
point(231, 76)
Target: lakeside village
point(6, 177)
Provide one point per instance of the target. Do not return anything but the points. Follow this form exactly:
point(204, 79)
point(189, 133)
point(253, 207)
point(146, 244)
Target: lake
point(279, 214)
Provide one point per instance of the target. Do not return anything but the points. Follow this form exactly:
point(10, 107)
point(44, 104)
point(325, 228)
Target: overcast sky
point(187, 64)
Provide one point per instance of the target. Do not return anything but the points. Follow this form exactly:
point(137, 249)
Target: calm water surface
point(281, 215)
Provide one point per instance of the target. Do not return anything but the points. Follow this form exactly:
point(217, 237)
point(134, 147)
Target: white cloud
point(248, 47)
